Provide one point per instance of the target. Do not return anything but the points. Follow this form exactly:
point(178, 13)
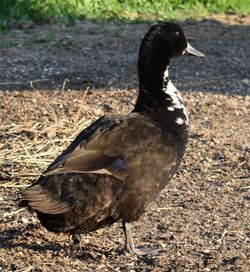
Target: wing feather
point(103, 148)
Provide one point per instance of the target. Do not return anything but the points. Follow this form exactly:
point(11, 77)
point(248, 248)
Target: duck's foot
point(143, 251)
point(130, 247)
point(75, 244)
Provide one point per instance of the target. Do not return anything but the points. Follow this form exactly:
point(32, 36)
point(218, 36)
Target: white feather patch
point(179, 121)
point(175, 98)
point(170, 108)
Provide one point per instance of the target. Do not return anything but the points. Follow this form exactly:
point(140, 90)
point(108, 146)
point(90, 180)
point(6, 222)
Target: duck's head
point(164, 40)
point(169, 39)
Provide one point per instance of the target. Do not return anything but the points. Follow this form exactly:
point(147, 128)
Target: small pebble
point(25, 220)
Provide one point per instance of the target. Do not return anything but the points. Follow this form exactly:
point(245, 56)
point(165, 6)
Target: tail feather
point(40, 199)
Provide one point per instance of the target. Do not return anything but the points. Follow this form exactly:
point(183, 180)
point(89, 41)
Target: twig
point(12, 185)
point(64, 84)
point(49, 106)
point(27, 269)
point(221, 238)
point(21, 83)
point(14, 212)
point(26, 151)
point(81, 104)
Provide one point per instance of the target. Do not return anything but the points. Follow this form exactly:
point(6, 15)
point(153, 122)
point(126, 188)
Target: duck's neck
point(158, 94)
point(151, 67)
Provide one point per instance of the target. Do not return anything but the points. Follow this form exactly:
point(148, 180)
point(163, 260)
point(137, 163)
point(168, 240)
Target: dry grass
point(37, 126)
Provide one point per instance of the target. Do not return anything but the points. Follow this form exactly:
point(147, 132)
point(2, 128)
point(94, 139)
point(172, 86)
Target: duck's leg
point(75, 243)
point(129, 243)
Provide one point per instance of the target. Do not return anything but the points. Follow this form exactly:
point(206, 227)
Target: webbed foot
point(130, 247)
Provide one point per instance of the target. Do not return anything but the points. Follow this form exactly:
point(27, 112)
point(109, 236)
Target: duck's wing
point(102, 148)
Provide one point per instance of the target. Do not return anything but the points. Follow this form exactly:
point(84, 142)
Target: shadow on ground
point(105, 54)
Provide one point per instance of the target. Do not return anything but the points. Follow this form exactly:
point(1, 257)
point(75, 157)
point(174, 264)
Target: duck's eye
point(177, 33)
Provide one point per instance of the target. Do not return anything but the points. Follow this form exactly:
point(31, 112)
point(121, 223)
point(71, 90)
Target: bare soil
point(202, 218)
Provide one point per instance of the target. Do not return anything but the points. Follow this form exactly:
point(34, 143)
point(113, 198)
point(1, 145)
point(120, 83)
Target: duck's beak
point(190, 51)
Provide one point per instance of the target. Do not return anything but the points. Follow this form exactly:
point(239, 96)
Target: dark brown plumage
point(119, 164)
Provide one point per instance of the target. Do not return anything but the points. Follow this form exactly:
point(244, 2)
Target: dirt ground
point(202, 218)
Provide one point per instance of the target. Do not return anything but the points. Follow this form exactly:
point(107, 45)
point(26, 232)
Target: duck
point(118, 165)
